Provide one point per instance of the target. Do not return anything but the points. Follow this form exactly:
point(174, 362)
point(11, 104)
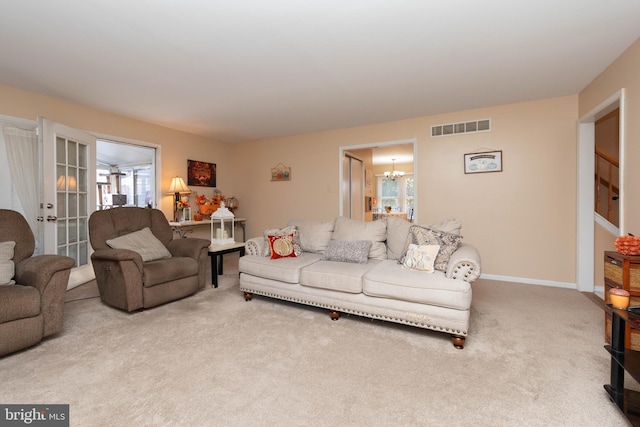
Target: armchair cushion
point(143, 242)
point(7, 267)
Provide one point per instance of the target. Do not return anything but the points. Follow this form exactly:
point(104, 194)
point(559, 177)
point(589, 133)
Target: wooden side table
point(216, 252)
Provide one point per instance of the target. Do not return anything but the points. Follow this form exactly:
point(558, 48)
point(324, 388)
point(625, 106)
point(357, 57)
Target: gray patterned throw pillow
point(355, 251)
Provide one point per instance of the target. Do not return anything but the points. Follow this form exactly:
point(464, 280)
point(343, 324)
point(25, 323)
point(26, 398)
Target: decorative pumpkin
point(197, 217)
point(627, 245)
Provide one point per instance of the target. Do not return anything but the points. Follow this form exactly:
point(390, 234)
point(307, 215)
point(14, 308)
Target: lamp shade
point(178, 186)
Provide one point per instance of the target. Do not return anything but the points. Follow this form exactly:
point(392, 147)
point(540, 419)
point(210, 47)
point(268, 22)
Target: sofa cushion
point(421, 257)
point(284, 269)
point(281, 246)
point(289, 230)
point(388, 279)
point(7, 267)
point(356, 251)
point(18, 302)
point(448, 243)
point(314, 235)
point(376, 232)
point(143, 242)
point(397, 232)
point(337, 276)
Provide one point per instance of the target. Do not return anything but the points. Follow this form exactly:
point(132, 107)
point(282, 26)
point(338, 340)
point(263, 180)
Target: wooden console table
point(184, 227)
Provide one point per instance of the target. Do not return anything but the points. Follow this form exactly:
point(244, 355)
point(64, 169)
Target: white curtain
point(22, 154)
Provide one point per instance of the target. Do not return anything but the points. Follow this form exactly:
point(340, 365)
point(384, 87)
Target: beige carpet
point(534, 357)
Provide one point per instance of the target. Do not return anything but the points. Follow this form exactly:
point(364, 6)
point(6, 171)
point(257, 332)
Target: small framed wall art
point(201, 174)
point(481, 162)
point(281, 173)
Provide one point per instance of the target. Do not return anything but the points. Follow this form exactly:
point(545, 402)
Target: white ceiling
point(248, 69)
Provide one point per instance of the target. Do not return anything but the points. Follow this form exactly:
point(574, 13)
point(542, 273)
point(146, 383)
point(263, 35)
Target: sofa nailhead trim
point(358, 313)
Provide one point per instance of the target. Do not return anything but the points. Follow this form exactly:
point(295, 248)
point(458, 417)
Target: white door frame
point(586, 172)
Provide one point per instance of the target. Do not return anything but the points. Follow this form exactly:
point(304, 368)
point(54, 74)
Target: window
point(399, 193)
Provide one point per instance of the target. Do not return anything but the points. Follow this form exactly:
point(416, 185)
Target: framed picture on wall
point(201, 174)
point(281, 173)
point(487, 161)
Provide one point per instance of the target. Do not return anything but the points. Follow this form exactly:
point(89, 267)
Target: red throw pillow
point(282, 246)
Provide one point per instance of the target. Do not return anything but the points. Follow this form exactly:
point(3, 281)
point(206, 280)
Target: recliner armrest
point(188, 247)
point(37, 271)
point(464, 264)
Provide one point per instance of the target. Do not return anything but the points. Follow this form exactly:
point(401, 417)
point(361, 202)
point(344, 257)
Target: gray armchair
point(32, 302)
point(126, 278)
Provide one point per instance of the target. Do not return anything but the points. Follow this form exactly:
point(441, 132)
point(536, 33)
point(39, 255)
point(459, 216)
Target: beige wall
point(176, 147)
point(522, 220)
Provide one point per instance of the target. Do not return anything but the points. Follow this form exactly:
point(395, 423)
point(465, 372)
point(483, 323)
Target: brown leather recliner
point(127, 282)
point(33, 307)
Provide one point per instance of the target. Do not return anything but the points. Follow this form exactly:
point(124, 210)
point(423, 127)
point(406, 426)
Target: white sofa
point(381, 288)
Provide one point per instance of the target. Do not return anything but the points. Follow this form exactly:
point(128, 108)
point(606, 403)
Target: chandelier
point(393, 174)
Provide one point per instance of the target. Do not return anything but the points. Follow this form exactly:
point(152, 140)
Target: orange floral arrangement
point(627, 245)
point(209, 205)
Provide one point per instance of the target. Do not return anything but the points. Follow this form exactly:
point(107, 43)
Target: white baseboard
point(566, 285)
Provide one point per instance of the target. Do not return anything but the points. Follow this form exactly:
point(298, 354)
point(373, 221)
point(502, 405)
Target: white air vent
point(462, 127)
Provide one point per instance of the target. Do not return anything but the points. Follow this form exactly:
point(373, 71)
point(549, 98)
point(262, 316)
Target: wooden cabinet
point(622, 271)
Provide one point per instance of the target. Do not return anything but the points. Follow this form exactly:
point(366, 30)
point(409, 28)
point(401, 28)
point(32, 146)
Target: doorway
point(589, 249)
point(376, 159)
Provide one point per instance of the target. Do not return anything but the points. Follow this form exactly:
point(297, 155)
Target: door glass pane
point(73, 153)
point(73, 230)
point(73, 253)
point(82, 180)
point(82, 253)
point(61, 232)
point(82, 205)
point(61, 150)
point(82, 229)
point(83, 156)
point(73, 205)
point(61, 205)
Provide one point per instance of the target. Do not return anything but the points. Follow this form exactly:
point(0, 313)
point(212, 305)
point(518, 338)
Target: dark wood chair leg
point(458, 341)
point(334, 315)
point(247, 296)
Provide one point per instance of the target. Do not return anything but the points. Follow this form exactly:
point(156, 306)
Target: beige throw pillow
point(142, 242)
point(376, 232)
point(421, 257)
point(314, 235)
point(7, 267)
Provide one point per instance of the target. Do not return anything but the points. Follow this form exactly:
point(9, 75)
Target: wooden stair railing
point(613, 192)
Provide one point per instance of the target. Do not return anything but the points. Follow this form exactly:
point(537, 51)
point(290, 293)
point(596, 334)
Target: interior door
point(68, 195)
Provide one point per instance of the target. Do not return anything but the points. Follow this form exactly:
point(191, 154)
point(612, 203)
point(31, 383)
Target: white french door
point(68, 195)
